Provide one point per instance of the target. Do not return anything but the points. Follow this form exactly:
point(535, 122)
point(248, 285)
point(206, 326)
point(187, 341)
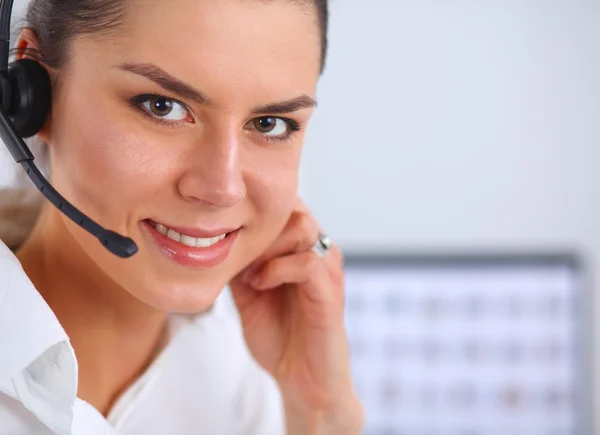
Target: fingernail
point(252, 277)
point(247, 276)
point(256, 281)
point(252, 274)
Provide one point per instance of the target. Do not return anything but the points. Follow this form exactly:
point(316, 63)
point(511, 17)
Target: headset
point(25, 101)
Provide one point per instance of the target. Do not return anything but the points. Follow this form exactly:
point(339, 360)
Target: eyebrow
point(166, 81)
point(176, 86)
point(298, 103)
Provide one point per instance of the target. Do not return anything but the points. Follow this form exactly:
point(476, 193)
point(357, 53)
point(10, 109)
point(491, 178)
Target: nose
point(214, 176)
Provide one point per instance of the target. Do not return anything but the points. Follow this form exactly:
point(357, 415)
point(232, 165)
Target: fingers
point(288, 269)
point(299, 235)
point(290, 260)
point(303, 268)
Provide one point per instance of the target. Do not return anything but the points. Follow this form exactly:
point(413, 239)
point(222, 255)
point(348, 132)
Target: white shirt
point(203, 382)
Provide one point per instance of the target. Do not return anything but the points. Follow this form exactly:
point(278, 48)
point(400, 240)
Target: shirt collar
point(41, 369)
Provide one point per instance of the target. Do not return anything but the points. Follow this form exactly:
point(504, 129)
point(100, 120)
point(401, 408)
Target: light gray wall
point(460, 125)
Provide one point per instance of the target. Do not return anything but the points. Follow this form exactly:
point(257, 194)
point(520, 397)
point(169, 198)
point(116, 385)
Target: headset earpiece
point(31, 92)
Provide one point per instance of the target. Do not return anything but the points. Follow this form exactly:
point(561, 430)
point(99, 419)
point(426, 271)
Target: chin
point(181, 299)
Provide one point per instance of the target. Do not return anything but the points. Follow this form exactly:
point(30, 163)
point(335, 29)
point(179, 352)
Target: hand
point(291, 304)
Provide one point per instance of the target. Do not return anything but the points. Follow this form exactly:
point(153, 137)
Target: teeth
point(174, 235)
point(205, 243)
point(187, 240)
point(162, 229)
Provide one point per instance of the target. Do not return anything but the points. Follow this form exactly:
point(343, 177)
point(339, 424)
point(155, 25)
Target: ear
point(28, 47)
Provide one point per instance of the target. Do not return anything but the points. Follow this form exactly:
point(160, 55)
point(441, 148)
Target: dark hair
point(57, 22)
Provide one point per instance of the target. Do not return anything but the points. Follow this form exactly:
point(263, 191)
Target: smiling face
point(184, 126)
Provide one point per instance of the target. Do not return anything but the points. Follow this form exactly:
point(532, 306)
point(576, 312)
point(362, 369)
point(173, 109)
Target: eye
point(274, 128)
point(165, 108)
point(270, 126)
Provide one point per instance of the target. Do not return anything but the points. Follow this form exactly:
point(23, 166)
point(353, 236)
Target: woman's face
point(191, 118)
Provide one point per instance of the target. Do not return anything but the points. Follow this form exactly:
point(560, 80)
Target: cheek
point(104, 163)
point(272, 187)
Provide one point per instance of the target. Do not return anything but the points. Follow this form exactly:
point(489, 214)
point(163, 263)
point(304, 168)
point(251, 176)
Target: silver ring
point(322, 245)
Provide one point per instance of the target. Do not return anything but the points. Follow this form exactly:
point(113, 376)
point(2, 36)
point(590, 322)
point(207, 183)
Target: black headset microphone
point(25, 99)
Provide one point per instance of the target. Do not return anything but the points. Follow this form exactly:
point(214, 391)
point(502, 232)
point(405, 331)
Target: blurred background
point(454, 158)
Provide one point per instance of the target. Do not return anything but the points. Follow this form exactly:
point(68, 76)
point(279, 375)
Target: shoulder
point(12, 272)
point(28, 324)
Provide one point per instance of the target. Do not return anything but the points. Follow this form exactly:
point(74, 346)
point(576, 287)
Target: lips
point(191, 247)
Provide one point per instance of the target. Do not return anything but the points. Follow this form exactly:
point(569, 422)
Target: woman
point(179, 124)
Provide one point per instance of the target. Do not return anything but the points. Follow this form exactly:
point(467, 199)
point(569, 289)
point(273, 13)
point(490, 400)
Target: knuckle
point(304, 230)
